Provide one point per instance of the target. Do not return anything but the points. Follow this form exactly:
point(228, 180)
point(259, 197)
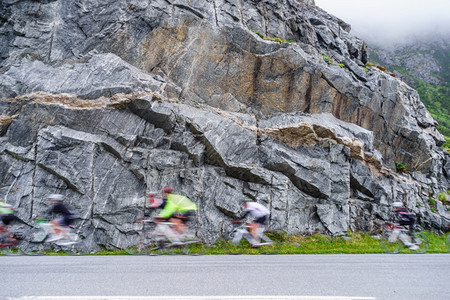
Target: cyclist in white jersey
point(259, 213)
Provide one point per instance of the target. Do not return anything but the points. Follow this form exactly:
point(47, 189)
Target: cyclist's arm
point(244, 214)
point(168, 210)
point(408, 216)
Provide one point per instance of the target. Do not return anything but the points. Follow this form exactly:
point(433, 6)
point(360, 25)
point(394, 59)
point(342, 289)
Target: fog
point(392, 21)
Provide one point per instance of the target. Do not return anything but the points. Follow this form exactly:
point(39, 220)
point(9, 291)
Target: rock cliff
point(103, 101)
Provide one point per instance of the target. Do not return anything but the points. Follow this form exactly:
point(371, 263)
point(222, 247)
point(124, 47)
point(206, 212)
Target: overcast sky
point(391, 20)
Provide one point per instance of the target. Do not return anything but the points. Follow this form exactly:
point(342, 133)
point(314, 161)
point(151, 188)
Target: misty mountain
point(424, 65)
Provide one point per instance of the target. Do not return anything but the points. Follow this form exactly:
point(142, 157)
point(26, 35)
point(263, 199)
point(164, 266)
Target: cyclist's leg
point(2, 230)
point(178, 224)
point(4, 226)
point(54, 226)
point(56, 230)
point(412, 227)
point(171, 232)
point(259, 228)
point(188, 220)
point(181, 221)
point(5, 234)
point(253, 228)
point(67, 230)
point(407, 237)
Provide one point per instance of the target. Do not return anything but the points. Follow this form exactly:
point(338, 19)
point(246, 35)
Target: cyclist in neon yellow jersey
point(177, 209)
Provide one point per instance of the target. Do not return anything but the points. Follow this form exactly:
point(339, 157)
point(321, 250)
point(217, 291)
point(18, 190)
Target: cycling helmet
point(55, 197)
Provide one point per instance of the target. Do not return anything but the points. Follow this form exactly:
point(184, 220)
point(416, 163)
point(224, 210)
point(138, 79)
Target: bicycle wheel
point(389, 244)
point(159, 245)
point(421, 240)
point(11, 246)
point(11, 250)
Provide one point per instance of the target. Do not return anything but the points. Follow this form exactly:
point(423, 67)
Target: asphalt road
point(340, 277)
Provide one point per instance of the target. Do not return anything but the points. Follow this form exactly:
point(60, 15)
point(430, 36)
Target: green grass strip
point(353, 243)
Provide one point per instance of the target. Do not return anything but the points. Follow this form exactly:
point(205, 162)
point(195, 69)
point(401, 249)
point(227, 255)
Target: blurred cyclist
point(60, 224)
point(6, 217)
point(176, 208)
point(259, 213)
point(403, 217)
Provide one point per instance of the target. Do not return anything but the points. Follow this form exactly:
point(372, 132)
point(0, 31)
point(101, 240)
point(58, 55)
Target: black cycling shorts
point(261, 220)
point(65, 221)
point(185, 217)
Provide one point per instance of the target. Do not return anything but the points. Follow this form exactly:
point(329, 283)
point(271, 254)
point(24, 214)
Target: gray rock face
point(103, 75)
point(103, 101)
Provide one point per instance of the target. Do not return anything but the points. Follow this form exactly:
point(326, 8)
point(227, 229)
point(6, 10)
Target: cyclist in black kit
point(403, 217)
point(66, 217)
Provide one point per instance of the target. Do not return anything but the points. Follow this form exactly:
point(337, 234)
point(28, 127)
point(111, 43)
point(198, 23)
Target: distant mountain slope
point(424, 66)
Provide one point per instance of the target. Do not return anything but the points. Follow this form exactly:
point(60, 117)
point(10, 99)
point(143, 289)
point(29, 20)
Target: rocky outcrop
point(106, 101)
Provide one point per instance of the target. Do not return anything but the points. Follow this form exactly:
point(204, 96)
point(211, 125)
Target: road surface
point(342, 277)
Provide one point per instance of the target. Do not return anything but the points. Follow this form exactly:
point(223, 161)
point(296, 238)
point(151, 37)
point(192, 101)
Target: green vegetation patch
point(436, 98)
point(352, 243)
point(401, 168)
point(327, 59)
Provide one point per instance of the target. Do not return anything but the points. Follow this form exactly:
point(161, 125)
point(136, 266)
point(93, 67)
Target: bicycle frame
point(164, 232)
point(42, 231)
point(243, 231)
point(395, 237)
point(162, 237)
point(11, 246)
point(9, 242)
point(6, 236)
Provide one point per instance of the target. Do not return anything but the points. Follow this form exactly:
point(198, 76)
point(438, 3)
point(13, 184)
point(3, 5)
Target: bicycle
point(159, 238)
point(10, 243)
point(40, 241)
point(395, 237)
point(243, 231)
